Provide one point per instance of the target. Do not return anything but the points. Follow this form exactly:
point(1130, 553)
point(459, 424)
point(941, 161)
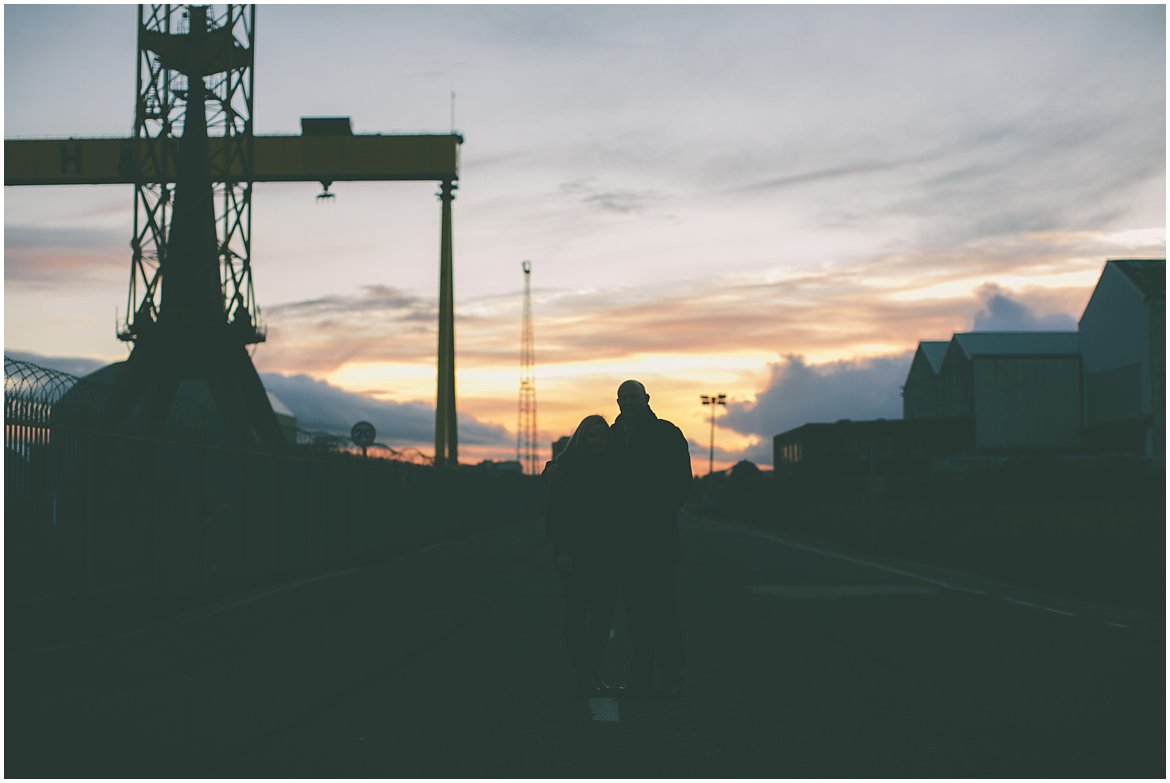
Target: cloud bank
point(321, 406)
point(74, 365)
point(42, 256)
point(1002, 313)
point(798, 393)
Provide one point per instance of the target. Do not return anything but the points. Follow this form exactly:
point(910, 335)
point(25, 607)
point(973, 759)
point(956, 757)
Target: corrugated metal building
point(1101, 388)
point(1123, 345)
point(1022, 390)
point(921, 396)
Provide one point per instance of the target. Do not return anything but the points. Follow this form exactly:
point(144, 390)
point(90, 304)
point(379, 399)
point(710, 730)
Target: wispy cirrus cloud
point(377, 323)
point(838, 172)
point(52, 256)
point(863, 309)
point(624, 201)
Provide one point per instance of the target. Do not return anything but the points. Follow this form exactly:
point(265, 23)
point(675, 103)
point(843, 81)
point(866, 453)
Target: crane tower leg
point(446, 436)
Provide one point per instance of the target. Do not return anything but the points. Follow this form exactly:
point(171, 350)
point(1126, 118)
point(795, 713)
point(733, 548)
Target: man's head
point(632, 399)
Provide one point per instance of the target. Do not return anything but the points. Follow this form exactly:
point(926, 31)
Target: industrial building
point(922, 394)
point(1100, 389)
point(1021, 390)
point(1123, 350)
point(886, 445)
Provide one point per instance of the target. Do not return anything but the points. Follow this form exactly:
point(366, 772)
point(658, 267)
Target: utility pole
point(713, 400)
point(526, 419)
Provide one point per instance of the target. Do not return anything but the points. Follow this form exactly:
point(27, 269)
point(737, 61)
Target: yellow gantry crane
point(184, 51)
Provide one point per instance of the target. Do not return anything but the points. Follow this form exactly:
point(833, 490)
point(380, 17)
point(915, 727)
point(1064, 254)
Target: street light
point(713, 400)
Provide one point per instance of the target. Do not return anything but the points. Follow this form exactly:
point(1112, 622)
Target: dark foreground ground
point(449, 663)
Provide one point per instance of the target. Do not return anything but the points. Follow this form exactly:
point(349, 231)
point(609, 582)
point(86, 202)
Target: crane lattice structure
point(193, 160)
point(191, 305)
point(526, 446)
point(219, 48)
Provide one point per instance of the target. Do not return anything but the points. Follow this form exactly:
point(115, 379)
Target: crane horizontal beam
point(340, 158)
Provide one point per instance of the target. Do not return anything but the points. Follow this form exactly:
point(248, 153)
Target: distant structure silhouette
point(1099, 390)
point(526, 444)
point(191, 321)
point(193, 159)
point(714, 400)
point(1123, 349)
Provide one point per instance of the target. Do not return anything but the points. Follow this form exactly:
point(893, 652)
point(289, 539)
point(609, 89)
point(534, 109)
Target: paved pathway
point(448, 663)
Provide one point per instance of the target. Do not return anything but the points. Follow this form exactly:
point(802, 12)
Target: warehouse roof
point(934, 351)
point(1149, 275)
point(1018, 343)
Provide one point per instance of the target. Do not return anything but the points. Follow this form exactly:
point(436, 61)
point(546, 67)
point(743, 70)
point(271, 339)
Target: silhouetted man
point(652, 465)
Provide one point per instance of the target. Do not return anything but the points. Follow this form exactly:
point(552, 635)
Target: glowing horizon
point(687, 227)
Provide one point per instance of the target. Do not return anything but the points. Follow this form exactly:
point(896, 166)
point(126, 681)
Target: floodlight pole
point(713, 400)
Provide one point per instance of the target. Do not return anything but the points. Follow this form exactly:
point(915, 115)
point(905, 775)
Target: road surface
point(448, 662)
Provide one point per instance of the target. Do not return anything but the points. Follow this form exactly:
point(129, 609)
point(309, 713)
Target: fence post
point(87, 515)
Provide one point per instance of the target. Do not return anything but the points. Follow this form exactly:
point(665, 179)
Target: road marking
point(213, 610)
point(838, 591)
point(1031, 605)
point(889, 569)
point(83, 642)
point(604, 709)
point(857, 560)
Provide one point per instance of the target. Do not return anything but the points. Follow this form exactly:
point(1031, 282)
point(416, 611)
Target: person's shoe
point(601, 687)
point(606, 689)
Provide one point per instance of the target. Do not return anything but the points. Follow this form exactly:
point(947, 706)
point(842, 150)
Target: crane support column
point(446, 435)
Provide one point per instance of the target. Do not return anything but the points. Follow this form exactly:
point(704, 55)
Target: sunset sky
point(774, 202)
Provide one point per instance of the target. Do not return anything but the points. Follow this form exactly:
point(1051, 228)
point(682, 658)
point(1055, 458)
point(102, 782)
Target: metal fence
point(93, 515)
point(29, 395)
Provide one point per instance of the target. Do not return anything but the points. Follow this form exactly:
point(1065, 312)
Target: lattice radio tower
point(526, 453)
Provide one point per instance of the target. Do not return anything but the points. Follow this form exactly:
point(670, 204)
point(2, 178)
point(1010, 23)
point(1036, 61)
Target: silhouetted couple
point(614, 496)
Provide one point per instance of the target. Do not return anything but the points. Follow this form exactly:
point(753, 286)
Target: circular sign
point(362, 433)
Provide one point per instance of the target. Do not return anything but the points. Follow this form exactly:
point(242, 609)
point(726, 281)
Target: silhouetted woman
point(583, 547)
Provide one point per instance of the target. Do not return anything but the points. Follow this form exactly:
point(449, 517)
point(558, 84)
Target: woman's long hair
point(576, 448)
